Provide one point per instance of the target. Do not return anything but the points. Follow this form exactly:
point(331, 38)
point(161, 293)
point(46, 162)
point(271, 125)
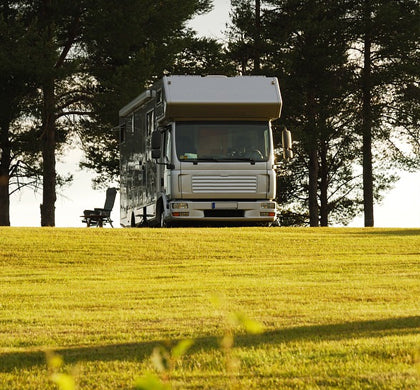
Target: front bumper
point(222, 211)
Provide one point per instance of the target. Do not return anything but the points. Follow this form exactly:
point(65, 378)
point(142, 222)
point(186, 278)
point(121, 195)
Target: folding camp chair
point(99, 217)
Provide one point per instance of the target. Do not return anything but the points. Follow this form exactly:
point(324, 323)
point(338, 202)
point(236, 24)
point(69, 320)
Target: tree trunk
point(48, 156)
point(257, 38)
point(312, 150)
point(4, 175)
point(323, 173)
point(313, 188)
point(367, 120)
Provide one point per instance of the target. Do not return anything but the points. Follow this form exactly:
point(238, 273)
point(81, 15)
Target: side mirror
point(286, 140)
point(156, 139)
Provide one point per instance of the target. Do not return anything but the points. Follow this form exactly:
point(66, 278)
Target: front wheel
point(160, 216)
point(162, 222)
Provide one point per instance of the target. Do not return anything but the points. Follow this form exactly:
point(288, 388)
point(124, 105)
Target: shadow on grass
point(140, 351)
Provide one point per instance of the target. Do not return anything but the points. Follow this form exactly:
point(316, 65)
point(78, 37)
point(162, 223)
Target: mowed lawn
point(340, 307)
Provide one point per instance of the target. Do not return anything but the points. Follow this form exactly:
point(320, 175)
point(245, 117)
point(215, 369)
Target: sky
point(400, 208)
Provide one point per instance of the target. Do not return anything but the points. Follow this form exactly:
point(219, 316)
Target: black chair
point(99, 217)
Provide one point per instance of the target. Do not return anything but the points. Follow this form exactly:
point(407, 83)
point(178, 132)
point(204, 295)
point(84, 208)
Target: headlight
point(268, 205)
point(179, 205)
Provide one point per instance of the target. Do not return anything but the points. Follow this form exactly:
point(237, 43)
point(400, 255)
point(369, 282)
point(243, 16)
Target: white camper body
point(200, 149)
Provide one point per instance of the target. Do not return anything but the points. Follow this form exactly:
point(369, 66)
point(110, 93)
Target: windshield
point(222, 141)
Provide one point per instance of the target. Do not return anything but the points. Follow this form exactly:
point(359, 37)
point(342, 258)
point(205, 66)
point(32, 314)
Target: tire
point(133, 221)
point(162, 222)
point(160, 215)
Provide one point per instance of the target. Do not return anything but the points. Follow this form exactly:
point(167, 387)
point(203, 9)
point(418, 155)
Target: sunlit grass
point(340, 307)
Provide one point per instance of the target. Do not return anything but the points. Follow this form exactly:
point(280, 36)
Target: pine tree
point(17, 81)
point(386, 34)
point(338, 103)
point(72, 39)
point(310, 59)
point(124, 62)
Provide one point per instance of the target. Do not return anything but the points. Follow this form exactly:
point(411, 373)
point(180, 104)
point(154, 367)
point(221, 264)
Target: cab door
point(167, 156)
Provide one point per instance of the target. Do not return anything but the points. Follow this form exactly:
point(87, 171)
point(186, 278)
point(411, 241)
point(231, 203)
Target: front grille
point(223, 213)
point(225, 184)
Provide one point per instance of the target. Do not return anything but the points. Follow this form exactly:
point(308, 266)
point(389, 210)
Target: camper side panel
point(138, 171)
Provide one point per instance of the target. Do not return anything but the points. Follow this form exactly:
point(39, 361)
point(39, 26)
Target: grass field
point(340, 307)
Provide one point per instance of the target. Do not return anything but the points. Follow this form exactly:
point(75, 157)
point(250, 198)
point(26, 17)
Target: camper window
point(159, 96)
point(150, 122)
point(122, 133)
point(133, 123)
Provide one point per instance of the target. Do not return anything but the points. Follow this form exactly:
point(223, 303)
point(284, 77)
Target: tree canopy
point(349, 107)
point(349, 75)
point(91, 58)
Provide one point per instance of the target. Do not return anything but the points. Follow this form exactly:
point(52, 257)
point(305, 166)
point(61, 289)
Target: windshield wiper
point(202, 159)
point(207, 159)
point(241, 159)
point(244, 159)
point(214, 159)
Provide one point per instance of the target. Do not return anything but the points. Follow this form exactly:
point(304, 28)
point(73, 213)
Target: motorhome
point(199, 150)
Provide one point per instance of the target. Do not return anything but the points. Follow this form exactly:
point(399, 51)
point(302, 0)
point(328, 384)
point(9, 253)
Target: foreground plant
point(64, 381)
point(163, 360)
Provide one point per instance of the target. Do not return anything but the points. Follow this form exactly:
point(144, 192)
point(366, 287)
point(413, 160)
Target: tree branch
point(72, 34)
point(73, 112)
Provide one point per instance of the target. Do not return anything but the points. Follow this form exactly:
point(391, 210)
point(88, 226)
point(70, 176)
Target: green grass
point(340, 307)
